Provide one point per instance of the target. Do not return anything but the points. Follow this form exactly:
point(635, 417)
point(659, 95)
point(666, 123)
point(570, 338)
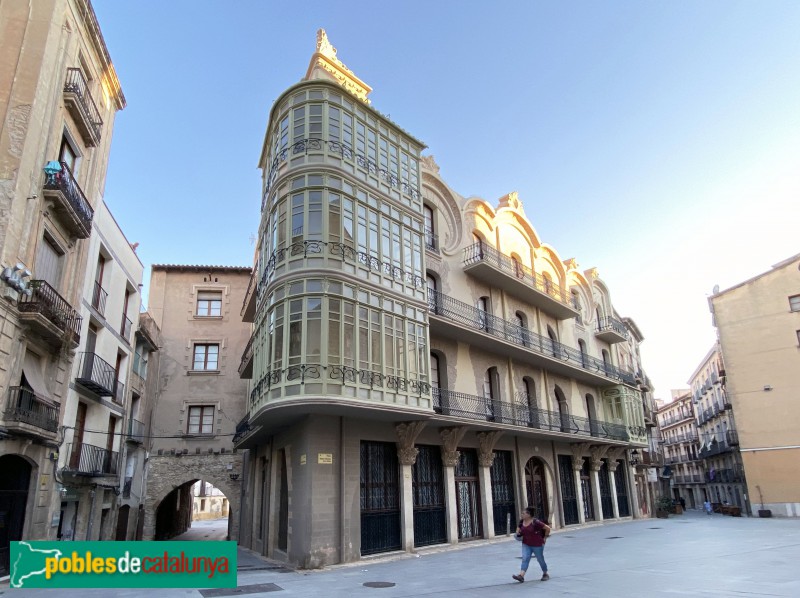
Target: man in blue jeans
point(533, 533)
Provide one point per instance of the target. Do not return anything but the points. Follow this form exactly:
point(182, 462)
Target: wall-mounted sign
point(302, 459)
point(325, 458)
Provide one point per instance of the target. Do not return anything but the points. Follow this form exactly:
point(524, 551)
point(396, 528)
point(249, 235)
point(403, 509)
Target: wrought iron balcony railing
point(610, 324)
point(91, 460)
point(46, 301)
point(99, 296)
point(135, 430)
point(25, 407)
point(431, 240)
point(242, 428)
point(471, 317)
point(97, 375)
point(70, 199)
point(481, 252)
point(459, 404)
point(246, 365)
point(85, 112)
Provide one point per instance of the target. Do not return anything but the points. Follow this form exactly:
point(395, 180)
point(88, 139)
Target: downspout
point(342, 509)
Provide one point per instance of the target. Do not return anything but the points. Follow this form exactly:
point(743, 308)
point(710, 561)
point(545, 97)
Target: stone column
point(407, 454)
point(487, 441)
point(636, 509)
point(450, 456)
point(577, 466)
point(612, 480)
point(597, 452)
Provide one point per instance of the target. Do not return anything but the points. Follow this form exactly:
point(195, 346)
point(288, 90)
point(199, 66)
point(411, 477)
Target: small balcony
point(611, 330)
point(80, 104)
point(48, 315)
point(463, 322)
point(431, 240)
point(87, 459)
point(99, 296)
point(135, 431)
point(125, 328)
point(248, 312)
point(29, 415)
point(97, 375)
point(472, 407)
point(119, 392)
point(242, 428)
point(500, 271)
point(70, 204)
point(246, 366)
point(652, 458)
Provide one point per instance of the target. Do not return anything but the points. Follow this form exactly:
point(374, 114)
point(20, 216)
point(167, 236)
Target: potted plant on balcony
point(663, 507)
point(762, 512)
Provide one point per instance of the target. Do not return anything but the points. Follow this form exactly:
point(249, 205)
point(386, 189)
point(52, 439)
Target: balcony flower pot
point(765, 513)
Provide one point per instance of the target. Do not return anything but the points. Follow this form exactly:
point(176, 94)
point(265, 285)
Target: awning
point(32, 370)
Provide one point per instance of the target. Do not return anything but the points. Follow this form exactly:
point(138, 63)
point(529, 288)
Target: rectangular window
point(209, 303)
point(201, 420)
point(794, 303)
point(206, 357)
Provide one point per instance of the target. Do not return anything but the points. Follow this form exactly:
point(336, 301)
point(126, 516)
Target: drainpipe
point(342, 542)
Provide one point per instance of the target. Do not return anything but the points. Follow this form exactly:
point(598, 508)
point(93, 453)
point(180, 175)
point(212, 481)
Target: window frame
point(210, 302)
point(201, 431)
point(794, 303)
point(207, 344)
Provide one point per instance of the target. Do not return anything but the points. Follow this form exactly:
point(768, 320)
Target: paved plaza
point(690, 554)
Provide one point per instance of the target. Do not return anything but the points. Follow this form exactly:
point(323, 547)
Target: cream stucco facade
point(423, 364)
point(758, 324)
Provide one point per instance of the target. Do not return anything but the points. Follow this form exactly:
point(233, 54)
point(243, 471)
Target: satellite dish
point(716, 289)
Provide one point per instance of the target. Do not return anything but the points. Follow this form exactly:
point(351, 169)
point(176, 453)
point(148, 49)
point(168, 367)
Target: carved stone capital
point(577, 455)
point(450, 458)
point(598, 452)
point(486, 459)
point(407, 455)
point(487, 442)
point(612, 465)
point(451, 437)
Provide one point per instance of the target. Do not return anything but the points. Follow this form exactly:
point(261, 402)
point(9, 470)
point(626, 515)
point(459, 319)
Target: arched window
point(490, 394)
point(430, 229)
point(547, 280)
point(482, 305)
point(576, 303)
point(563, 410)
point(522, 322)
point(584, 353)
point(477, 247)
point(594, 427)
point(434, 301)
point(554, 344)
point(435, 371)
point(532, 404)
point(607, 363)
point(519, 270)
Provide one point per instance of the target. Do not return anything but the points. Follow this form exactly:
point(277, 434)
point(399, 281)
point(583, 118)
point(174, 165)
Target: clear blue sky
point(657, 141)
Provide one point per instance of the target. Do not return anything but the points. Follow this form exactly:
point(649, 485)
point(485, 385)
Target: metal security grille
point(622, 490)
point(503, 504)
point(430, 515)
point(380, 498)
point(467, 494)
point(14, 484)
point(588, 495)
point(569, 496)
point(536, 488)
point(605, 492)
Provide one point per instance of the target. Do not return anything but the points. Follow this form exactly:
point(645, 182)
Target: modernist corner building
point(422, 365)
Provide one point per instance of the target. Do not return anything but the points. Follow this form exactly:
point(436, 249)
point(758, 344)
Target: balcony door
point(49, 262)
point(77, 438)
point(107, 461)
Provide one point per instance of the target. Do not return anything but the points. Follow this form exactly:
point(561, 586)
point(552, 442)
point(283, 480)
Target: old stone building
point(758, 325)
point(423, 364)
point(199, 397)
point(58, 100)
point(682, 449)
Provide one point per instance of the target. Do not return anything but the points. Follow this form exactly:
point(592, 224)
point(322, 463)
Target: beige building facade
point(422, 364)
point(58, 99)
point(681, 449)
point(758, 325)
point(199, 396)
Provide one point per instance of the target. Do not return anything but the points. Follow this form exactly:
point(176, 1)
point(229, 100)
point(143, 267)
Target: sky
point(657, 141)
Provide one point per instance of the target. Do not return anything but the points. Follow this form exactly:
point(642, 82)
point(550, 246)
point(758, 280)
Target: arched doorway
point(14, 483)
point(536, 487)
point(195, 510)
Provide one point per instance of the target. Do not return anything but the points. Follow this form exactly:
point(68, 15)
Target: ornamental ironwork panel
point(501, 474)
point(588, 495)
point(606, 500)
point(569, 497)
point(380, 498)
point(430, 513)
point(622, 490)
point(468, 496)
point(536, 488)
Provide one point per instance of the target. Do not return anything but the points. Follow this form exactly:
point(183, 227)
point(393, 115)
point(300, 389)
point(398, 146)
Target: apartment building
point(98, 399)
point(58, 100)
point(422, 364)
point(679, 438)
point(758, 325)
point(199, 396)
point(718, 437)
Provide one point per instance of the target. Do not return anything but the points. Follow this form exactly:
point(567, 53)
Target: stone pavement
point(690, 554)
point(211, 529)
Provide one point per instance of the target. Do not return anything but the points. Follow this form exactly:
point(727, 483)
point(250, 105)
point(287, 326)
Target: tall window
point(489, 393)
point(206, 356)
point(483, 311)
point(49, 262)
point(794, 303)
point(434, 371)
point(520, 320)
point(209, 303)
point(68, 155)
point(430, 231)
point(201, 419)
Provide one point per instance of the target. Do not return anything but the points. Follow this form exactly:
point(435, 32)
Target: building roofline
point(90, 20)
point(200, 268)
point(778, 266)
point(703, 362)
